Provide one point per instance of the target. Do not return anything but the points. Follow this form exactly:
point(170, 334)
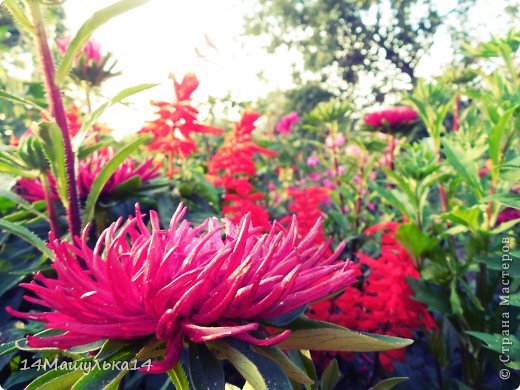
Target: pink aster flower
point(353, 151)
point(181, 283)
point(32, 189)
point(313, 161)
point(91, 50)
point(286, 123)
point(391, 116)
point(89, 169)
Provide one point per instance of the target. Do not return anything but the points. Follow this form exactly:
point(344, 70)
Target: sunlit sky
point(165, 36)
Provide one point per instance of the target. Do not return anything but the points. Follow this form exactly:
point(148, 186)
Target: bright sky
point(166, 36)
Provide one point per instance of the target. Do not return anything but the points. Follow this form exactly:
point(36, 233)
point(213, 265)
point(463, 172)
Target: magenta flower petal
point(182, 283)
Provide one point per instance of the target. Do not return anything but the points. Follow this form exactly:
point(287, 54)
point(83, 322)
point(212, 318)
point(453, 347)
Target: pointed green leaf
point(496, 134)
point(292, 370)
point(17, 99)
point(105, 174)
point(205, 370)
point(244, 366)
point(27, 235)
point(178, 377)
point(464, 167)
point(323, 336)
point(508, 199)
point(415, 242)
point(91, 120)
point(22, 203)
point(18, 15)
point(389, 383)
point(55, 380)
point(330, 376)
point(54, 148)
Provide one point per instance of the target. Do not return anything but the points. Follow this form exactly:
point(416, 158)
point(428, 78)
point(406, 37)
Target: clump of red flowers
point(383, 302)
point(233, 165)
point(306, 207)
point(175, 123)
point(393, 116)
point(88, 169)
point(182, 283)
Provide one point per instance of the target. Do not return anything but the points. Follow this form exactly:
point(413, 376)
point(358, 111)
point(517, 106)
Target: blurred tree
point(377, 40)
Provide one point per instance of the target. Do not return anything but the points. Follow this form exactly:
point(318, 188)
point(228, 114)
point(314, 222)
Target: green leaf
point(127, 186)
point(105, 174)
point(454, 298)
point(515, 300)
point(244, 366)
point(27, 235)
point(86, 151)
point(54, 148)
point(436, 300)
point(466, 217)
point(85, 32)
point(100, 377)
point(292, 370)
point(55, 380)
point(507, 199)
point(7, 348)
point(97, 379)
point(496, 135)
point(94, 346)
point(330, 376)
point(415, 242)
point(110, 348)
point(22, 203)
point(274, 376)
point(17, 99)
point(88, 123)
point(389, 383)
point(497, 342)
point(323, 336)
point(178, 377)
point(303, 360)
point(205, 370)
point(464, 167)
point(18, 15)
point(505, 226)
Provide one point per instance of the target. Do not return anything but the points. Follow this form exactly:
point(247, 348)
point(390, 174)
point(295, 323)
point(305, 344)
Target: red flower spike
point(384, 303)
point(231, 168)
point(176, 121)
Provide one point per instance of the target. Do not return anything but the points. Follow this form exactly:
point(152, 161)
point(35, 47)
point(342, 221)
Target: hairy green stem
point(58, 112)
point(51, 211)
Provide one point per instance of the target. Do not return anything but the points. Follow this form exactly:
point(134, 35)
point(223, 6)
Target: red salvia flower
point(180, 283)
point(231, 168)
point(391, 116)
point(306, 207)
point(384, 303)
point(73, 119)
point(176, 121)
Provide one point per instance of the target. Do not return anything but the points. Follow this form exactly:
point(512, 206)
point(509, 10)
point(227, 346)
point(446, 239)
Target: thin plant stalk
point(57, 110)
point(51, 211)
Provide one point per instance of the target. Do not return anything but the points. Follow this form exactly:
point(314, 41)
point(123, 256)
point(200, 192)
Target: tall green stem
point(51, 211)
point(58, 112)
